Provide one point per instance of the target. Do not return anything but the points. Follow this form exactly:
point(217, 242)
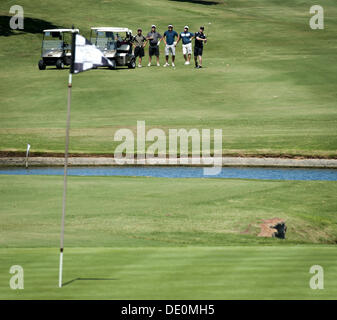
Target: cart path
point(226, 161)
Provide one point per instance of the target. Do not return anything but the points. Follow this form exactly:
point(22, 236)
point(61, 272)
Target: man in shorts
point(154, 37)
point(170, 44)
point(139, 42)
point(200, 39)
point(186, 38)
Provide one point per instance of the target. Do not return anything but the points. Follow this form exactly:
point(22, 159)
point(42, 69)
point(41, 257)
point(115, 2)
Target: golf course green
point(268, 81)
point(172, 273)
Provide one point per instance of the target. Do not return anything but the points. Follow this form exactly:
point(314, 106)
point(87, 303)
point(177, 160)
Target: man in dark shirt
point(139, 42)
point(200, 39)
point(170, 44)
point(155, 39)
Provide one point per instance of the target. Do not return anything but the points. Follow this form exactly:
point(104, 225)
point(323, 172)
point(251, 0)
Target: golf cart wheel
point(42, 65)
point(59, 64)
point(132, 64)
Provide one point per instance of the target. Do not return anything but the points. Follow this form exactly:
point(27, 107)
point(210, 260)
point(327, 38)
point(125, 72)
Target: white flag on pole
point(87, 56)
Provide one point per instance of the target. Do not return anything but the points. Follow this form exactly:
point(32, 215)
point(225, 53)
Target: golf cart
point(56, 48)
point(114, 46)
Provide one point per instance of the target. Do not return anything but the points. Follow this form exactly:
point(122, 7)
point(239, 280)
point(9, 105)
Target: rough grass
point(124, 211)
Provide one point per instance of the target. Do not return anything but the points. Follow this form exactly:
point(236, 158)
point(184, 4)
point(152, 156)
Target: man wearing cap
point(186, 38)
point(139, 42)
point(155, 39)
point(170, 44)
point(200, 39)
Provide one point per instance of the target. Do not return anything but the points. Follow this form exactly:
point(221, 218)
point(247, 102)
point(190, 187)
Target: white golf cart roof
point(62, 30)
point(111, 29)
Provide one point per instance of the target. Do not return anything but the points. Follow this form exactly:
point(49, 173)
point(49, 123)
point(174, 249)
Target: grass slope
point(126, 211)
point(269, 80)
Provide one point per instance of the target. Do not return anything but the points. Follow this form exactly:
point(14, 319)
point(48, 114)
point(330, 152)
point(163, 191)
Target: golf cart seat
point(124, 47)
point(115, 44)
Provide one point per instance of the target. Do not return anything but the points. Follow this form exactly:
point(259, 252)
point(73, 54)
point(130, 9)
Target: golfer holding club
point(170, 44)
point(186, 38)
point(155, 39)
point(200, 39)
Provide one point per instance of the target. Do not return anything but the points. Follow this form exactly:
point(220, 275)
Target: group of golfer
point(171, 38)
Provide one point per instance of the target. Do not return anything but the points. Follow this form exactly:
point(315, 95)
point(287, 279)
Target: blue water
point(183, 172)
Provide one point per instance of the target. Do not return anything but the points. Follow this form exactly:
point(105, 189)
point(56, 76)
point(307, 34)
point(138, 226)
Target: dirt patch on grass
point(274, 227)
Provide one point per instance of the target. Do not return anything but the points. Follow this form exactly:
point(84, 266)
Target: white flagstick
point(61, 269)
point(65, 180)
point(27, 153)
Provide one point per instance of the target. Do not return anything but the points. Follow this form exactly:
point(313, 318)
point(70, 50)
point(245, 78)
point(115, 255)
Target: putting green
point(171, 273)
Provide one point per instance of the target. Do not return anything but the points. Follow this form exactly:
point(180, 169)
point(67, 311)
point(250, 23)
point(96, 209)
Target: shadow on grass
point(203, 2)
point(52, 68)
point(31, 25)
point(87, 279)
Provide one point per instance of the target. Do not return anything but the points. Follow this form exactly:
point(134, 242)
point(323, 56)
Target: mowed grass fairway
point(269, 80)
point(150, 238)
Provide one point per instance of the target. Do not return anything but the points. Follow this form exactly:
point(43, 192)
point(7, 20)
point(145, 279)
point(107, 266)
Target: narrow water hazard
point(183, 172)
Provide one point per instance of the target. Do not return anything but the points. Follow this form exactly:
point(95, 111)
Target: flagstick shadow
point(86, 279)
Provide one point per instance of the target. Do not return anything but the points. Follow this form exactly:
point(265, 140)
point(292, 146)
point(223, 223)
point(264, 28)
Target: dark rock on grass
point(273, 228)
